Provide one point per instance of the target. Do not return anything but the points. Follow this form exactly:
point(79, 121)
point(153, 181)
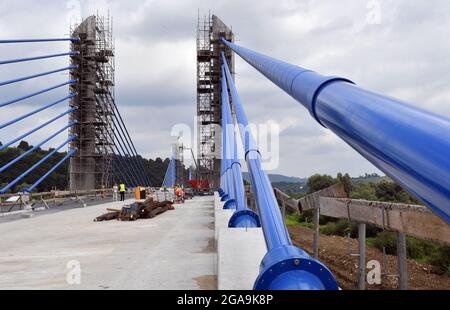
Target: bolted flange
point(230, 204)
point(290, 268)
point(244, 219)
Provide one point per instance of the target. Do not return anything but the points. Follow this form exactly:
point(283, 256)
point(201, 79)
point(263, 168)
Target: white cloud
point(405, 56)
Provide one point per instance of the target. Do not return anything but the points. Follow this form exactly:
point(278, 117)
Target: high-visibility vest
point(122, 188)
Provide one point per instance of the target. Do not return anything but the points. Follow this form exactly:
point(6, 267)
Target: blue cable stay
point(6, 188)
point(31, 188)
point(37, 128)
point(4, 104)
point(129, 142)
point(138, 172)
point(11, 61)
point(40, 109)
point(120, 127)
point(36, 111)
point(243, 217)
point(229, 197)
point(36, 147)
point(30, 77)
point(126, 159)
point(285, 267)
point(120, 121)
point(416, 156)
point(15, 41)
point(170, 177)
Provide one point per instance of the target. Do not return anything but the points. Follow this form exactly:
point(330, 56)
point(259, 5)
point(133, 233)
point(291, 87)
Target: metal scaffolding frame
point(210, 31)
point(91, 167)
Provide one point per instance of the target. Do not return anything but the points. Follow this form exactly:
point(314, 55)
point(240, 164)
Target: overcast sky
point(401, 52)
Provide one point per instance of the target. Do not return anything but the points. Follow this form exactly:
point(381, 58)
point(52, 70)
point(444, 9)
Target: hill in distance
point(278, 178)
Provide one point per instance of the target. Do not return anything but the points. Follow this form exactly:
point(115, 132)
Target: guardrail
point(411, 220)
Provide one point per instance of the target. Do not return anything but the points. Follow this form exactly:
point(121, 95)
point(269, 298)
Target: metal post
point(402, 261)
point(362, 256)
point(316, 232)
point(366, 120)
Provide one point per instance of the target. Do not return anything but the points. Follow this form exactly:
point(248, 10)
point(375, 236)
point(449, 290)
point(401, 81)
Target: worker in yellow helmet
point(122, 190)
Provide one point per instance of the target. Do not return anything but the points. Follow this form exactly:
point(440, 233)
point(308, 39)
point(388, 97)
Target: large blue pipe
point(37, 40)
point(18, 119)
point(11, 61)
point(410, 145)
point(37, 128)
point(36, 93)
point(243, 217)
point(31, 188)
point(29, 77)
point(285, 267)
point(37, 146)
point(231, 202)
point(6, 188)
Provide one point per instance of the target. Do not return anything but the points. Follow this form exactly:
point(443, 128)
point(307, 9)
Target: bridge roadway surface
point(173, 251)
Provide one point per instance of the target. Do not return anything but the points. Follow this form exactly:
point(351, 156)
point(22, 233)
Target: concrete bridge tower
point(209, 106)
point(91, 167)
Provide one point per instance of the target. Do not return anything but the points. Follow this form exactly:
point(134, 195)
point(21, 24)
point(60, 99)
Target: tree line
point(59, 179)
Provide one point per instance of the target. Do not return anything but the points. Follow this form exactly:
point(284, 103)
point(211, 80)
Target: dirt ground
point(334, 252)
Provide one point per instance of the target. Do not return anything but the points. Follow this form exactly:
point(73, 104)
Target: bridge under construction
point(221, 234)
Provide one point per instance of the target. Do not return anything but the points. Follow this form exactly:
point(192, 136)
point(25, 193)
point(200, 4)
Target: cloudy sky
point(399, 48)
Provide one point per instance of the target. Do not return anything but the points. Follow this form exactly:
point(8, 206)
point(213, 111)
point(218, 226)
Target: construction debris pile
point(136, 211)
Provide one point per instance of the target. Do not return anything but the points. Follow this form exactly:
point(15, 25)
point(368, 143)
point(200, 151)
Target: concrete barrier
point(239, 255)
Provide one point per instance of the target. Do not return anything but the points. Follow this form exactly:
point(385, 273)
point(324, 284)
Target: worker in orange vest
point(179, 194)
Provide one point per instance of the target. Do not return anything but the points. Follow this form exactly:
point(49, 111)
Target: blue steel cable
point(118, 159)
point(126, 131)
point(130, 149)
point(133, 161)
point(13, 41)
point(125, 176)
point(6, 188)
point(36, 75)
point(243, 217)
point(36, 111)
point(11, 61)
point(127, 152)
point(31, 188)
point(126, 134)
point(227, 146)
point(36, 147)
point(36, 93)
point(285, 267)
point(37, 128)
point(125, 160)
point(408, 144)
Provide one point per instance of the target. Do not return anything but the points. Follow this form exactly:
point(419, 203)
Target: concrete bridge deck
point(172, 251)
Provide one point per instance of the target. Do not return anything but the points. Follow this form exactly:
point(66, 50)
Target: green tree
point(318, 182)
point(346, 180)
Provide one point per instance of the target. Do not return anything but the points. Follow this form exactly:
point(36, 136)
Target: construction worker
point(115, 192)
point(122, 190)
point(179, 195)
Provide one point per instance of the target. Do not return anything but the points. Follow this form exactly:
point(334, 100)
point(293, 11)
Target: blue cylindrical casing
point(243, 217)
point(285, 266)
point(410, 145)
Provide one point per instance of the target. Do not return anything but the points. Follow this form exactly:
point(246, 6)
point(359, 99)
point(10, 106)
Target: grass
point(422, 251)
